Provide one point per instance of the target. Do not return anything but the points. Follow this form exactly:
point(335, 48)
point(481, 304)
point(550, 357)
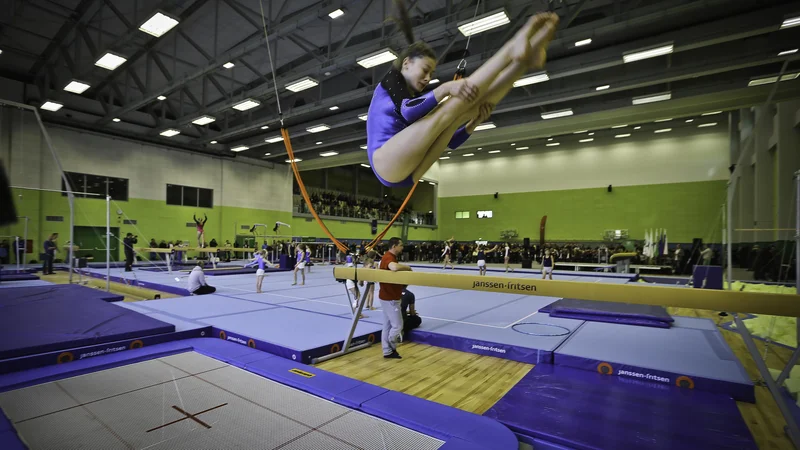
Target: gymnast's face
point(418, 72)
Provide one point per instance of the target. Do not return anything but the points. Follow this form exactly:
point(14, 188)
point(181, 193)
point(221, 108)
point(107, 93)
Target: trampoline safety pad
point(190, 401)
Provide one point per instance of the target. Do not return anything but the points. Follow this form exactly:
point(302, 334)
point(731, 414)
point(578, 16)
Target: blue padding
point(440, 421)
point(458, 444)
point(359, 394)
point(224, 351)
point(610, 319)
point(17, 380)
point(585, 410)
point(10, 441)
point(5, 424)
point(609, 309)
point(18, 277)
point(37, 320)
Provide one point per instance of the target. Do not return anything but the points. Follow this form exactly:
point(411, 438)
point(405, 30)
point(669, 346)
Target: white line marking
point(520, 320)
point(467, 323)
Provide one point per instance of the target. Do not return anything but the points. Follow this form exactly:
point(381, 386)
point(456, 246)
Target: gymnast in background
point(201, 234)
point(262, 264)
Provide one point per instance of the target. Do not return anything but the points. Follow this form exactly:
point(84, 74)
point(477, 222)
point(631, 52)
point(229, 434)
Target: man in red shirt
point(390, 295)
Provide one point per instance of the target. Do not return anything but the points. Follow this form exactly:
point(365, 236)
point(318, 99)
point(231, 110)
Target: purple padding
point(609, 319)
point(585, 410)
point(440, 421)
point(608, 309)
point(5, 424)
point(10, 441)
point(44, 319)
point(18, 277)
point(240, 271)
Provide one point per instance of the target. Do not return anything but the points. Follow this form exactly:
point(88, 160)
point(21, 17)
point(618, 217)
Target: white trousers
point(392, 325)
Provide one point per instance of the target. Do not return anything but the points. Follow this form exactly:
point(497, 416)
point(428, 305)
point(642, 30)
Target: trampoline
point(207, 393)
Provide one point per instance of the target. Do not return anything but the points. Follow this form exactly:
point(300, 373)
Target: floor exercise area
point(665, 372)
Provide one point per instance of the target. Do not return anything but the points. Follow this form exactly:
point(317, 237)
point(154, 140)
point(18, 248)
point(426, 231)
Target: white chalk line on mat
point(520, 320)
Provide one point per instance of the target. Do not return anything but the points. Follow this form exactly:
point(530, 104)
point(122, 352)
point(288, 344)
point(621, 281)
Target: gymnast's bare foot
point(521, 46)
point(540, 40)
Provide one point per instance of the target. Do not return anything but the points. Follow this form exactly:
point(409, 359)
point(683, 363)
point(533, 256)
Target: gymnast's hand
point(463, 89)
point(484, 112)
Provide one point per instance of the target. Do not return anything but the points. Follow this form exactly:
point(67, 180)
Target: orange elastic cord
point(285, 133)
point(381, 235)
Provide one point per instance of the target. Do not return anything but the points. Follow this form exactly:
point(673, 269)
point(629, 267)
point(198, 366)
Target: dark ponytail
point(415, 49)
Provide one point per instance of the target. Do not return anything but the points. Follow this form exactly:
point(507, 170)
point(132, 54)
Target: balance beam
point(714, 300)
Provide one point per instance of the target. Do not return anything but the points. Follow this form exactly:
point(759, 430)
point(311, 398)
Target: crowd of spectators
point(340, 204)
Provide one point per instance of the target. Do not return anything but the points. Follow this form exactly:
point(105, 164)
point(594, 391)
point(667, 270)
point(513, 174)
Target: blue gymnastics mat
point(248, 398)
point(37, 320)
point(692, 354)
point(578, 409)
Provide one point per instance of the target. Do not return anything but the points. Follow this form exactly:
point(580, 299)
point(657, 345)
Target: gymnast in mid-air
point(408, 132)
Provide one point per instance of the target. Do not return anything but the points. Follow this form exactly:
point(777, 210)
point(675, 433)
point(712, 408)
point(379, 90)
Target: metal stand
point(346, 348)
point(108, 243)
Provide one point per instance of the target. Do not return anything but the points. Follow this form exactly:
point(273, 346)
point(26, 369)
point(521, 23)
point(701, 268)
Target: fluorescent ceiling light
point(1, 51)
point(619, 126)
point(333, 108)
point(792, 22)
point(116, 119)
point(557, 114)
point(273, 140)
point(52, 106)
point(434, 81)
point(602, 88)
point(158, 25)
point(363, 117)
point(665, 130)
point(229, 65)
point(485, 126)
point(513, 144)
point(769, 80)
point(326, 154)
point(110, 61)
point(705, 125)
point(689, 120)
point(246, 104)
point(591, 134)
point(363, 147)
point(376, 58)
point(318, 128)
point(583, 42)
point(522, 148)
point(495, 151)
point(587, 140)
point(637, 128)
point(663, 120)
point(788, 52)
point(213, 142)
point(649, 53)
point(76, 87)
point(480, 148)
point(549, 139)
point(319, 142)
point(161, 98)
point(297, 160)
point(444, 157)
point(581, 132)
point(553, 144)
point(622, 135)
point(493, 19)
point(302, 84)
point(336, 13)
point(652, 98)
point(265, 127)
point(532, 79)
point(713, 113)
point(170, 132)
point(267, 154)
point(468, 154)
point(432, 184)
point(240, 148)
point(365, 165)
point(204, 120)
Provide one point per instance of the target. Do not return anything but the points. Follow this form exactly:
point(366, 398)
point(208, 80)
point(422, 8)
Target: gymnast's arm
point(397, 267)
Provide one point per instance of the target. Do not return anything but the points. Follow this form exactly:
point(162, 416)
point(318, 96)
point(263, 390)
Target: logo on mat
point(684, 382)
point(65, 357)
point(605, 368)
point(136, 344)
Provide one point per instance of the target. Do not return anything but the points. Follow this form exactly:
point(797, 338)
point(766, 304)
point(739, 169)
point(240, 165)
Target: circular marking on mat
point(202, 333)
point(251, 343)
point(335, 348)
point(371, 338)
point(222, 335)
point(136, 344)
point(684, 382)
point(605, 369)
point(65, 357)
point(294, 357)
point(540, 329)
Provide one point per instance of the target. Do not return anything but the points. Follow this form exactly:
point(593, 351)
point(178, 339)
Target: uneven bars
point(715, 300)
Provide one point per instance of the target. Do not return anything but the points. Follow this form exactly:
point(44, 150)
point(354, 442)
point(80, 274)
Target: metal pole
point(16, 251)
point(108, 243)
point(25, 245)
point(797, 240)
point(726, 244)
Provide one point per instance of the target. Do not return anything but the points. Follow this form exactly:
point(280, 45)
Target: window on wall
point(83, 184)
point(190, 196)
point(484, 214)
point(462, 214)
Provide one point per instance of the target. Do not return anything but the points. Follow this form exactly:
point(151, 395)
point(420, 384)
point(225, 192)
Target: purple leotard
point(259, 262)
point(393, 108)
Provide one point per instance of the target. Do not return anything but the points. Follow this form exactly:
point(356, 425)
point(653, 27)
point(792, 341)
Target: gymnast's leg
point(402, 154)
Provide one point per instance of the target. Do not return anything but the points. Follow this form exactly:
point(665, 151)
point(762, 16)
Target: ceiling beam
point(79, 17)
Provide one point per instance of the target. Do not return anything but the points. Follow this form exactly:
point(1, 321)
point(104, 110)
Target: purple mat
point(584, 410)
point(614, 312)
point(239, 271)
point(18, 277)
point(35, 320)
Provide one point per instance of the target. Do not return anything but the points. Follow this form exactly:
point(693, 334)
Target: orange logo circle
point(335, 348)
point(137, 344)
point(605, 369)
point(371, 338)
point(251, 343)
point(684, 382)
point(222, 335)
point(65, 357)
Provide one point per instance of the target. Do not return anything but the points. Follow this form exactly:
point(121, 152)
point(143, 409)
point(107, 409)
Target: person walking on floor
point(50, 249)
point(129, 242)
point(391, 295)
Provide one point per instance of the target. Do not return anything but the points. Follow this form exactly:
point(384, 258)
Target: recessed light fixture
point(665, 130)
point(363, 117)
point(434, 81)
point(522, 148)
point(363, 147)
point(637, 128)
point(297, 160)
point(652, 98)
point(664, 49)
point(170, 132)
point(622, 135)
point(52, 106)
point(240, 148)
point(549, 139)
point(229, 65)
point(76, 87)
point(557, 114)
point(468, 154)
point(769, 80)
point(485, 126)
point(204, 120)
point(161, 98)
point(158, 24)
point(583, 42)
point(484, 22)
point(705, 125)
point(602, 88)
point(267, 154)
point(513, 144)
point(116, 119)
point(319, 142)
point(712, 113)
point(587, 140)
point(327, 154)
point(265, 127)
point(213, 142)
point(110, 61)
point(788, 52)
point(318, 128)
point(366, 165)
point(591, 134)
point(246, 104)
point(333, 108)
point(791, 22)
point(553, 144)
point(689, 120)
point(532, 79)
point(302, 84)
point(336, 13)
point(619, 126)
point(495, 151)
point(376, 58)
point(274, 139)
point(663, 120)
point(580, 132)
point(480, 148)
point(444, 157)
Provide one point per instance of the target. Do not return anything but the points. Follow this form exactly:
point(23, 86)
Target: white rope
point(271, 65)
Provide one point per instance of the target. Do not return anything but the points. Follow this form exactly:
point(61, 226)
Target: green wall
point(686, 210)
